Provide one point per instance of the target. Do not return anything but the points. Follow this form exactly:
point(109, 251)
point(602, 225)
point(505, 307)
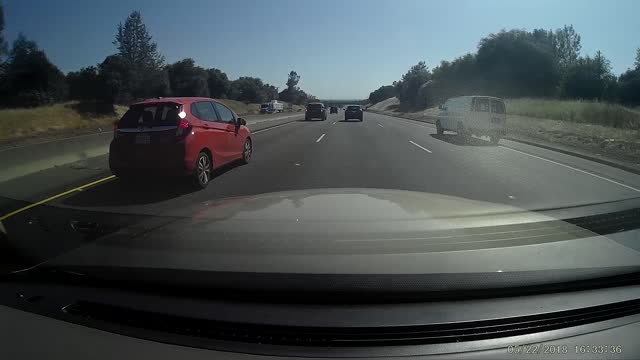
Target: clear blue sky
point(341, 49)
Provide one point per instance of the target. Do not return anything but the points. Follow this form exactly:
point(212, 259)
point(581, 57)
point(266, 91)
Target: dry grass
point(241, 108)
point(16, 123)
point(586, 112)
point(622, 144)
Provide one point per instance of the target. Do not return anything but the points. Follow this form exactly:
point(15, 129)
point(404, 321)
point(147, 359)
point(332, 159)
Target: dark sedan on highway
point(353, 112)
point(315, 111)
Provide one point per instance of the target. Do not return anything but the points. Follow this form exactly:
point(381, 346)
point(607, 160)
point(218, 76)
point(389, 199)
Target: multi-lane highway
point(380, 152)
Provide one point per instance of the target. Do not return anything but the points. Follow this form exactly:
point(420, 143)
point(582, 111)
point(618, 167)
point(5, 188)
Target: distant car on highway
point(473, 115)
point(353, 112)
point(272, 106)
point(333, 110)
point(178, 136)
point(315, 111)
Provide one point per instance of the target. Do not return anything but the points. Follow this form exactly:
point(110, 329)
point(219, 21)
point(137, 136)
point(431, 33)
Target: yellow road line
point(79, 188)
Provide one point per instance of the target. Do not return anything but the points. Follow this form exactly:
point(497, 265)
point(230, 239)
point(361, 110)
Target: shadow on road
point(141, 191)
point(350, 120)
point(461, 141)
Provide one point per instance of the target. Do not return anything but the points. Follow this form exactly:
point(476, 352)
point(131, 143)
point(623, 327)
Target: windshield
point(149, 115)
point(457, 138)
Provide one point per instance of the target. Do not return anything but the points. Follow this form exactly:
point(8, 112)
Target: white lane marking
point(512, 197)
point(297, 164)
point(572, 168)
point(380, 125)
point(320, 138)
point(333, 123)
point(271, 128)
point(425, 149)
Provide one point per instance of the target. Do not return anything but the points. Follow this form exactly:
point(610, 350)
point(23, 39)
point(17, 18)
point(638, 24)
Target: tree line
point(518, 63)
point(137, 71)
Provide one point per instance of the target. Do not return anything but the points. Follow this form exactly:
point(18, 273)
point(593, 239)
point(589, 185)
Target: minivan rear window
point(314, 106)
point(497, 107)
point(481, 104)
point(353, 108)
point(162, 114)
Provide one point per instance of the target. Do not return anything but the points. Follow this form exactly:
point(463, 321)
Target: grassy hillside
point(241, 108)
point(576, 111)
point(16, 123)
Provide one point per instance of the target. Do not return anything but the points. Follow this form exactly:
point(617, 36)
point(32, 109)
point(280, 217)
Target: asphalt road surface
point(380, 152)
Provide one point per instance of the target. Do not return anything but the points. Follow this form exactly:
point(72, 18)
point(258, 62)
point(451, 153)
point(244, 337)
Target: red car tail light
point(184, 128)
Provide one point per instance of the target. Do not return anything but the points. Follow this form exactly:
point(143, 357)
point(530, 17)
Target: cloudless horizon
point(341, 49)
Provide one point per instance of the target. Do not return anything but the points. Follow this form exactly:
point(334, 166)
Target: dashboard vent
point(351, 337)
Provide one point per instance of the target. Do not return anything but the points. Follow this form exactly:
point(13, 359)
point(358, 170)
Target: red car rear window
point(157, 114)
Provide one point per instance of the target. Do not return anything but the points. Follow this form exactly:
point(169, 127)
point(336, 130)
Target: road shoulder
point(573, 151)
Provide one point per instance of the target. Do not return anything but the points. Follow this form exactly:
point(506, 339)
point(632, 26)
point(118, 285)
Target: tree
point(31, 79)
point(3, 42)
point(567, 46)
point(4, 89)
point(293, 93)
point(114, 75)
point(218, 83)
point(589, 78)
point(516, 63)
point(187, 79)
point(629, 87)
point(135, 44)
point(84, 84)
point(637, 62)
point(248, 89)
point(271, 92)
point(407, 87)
point(292, 81)
point(143, 75)
point(382, 93)
point(455, 78)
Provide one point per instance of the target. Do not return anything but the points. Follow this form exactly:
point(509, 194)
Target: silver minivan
point(473, 115)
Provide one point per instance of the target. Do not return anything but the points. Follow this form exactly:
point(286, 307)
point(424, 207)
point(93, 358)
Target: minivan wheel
point(202, 172)
point(247, 151)
point(462, 133)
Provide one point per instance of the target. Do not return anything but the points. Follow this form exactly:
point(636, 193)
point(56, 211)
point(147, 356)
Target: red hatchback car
point(178, 136)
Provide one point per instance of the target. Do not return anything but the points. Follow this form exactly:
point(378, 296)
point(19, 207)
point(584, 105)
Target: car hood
point(365, 235)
